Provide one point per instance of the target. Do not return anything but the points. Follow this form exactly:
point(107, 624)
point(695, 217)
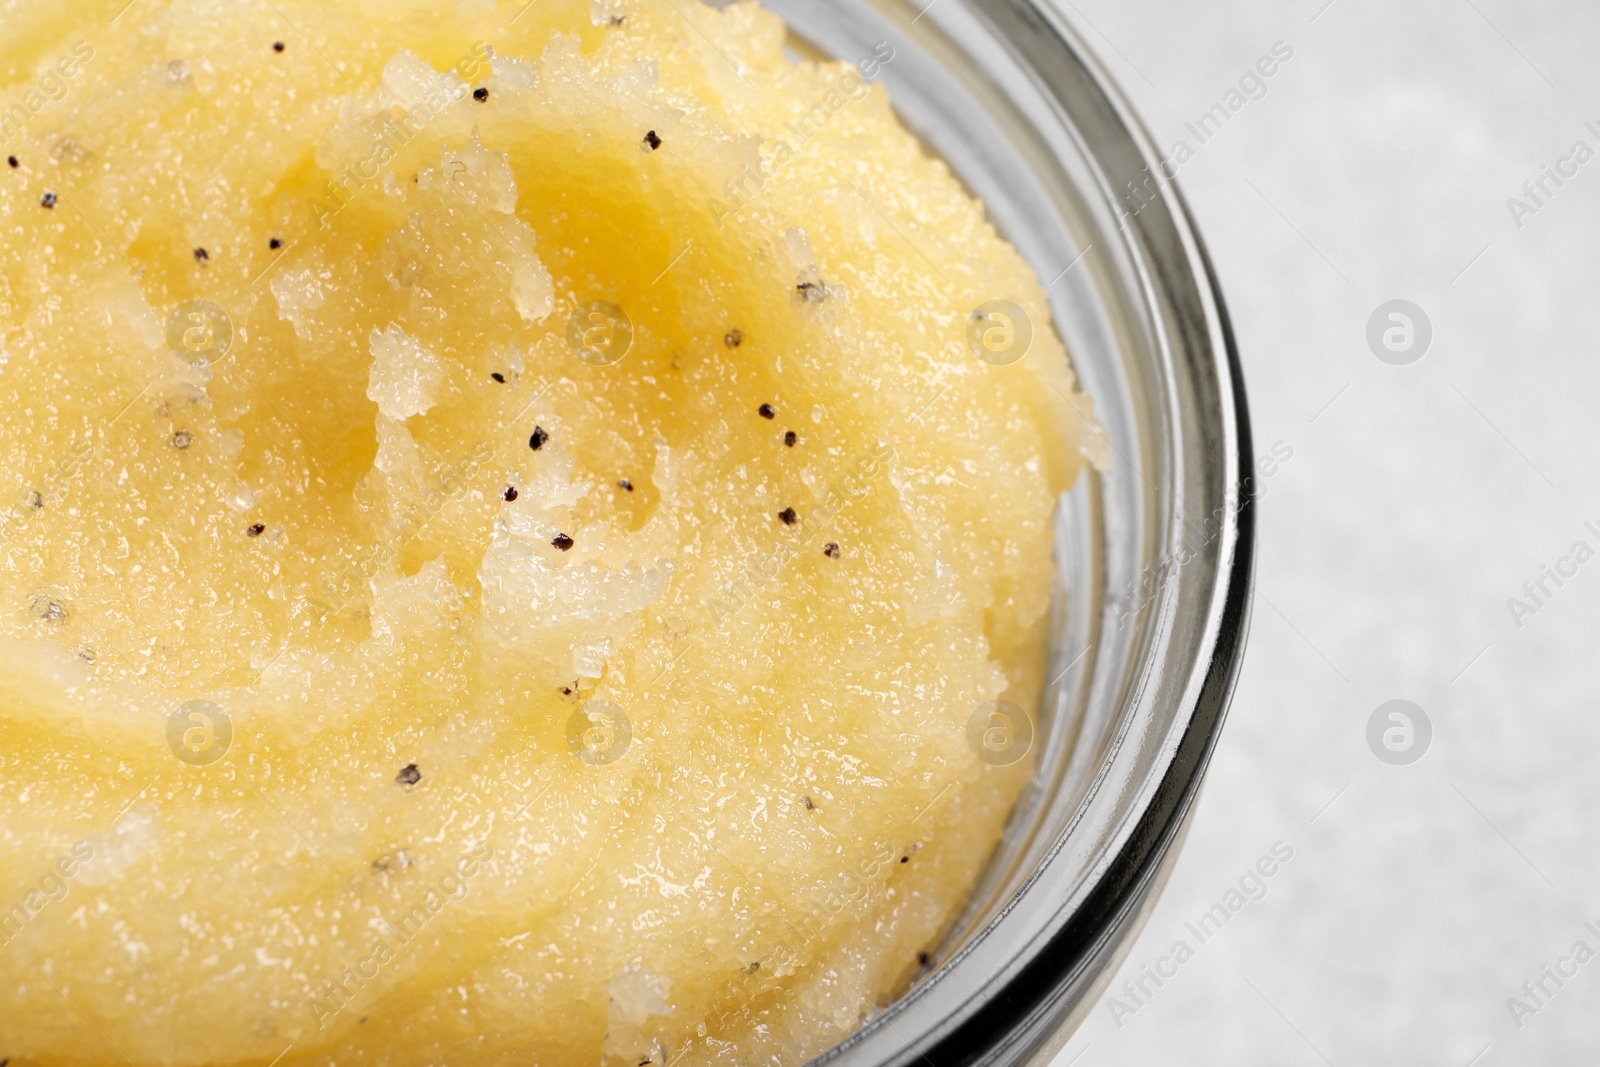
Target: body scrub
point(514, 517)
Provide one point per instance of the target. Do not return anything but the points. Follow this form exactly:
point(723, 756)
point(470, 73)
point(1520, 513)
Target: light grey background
point(1417, 501)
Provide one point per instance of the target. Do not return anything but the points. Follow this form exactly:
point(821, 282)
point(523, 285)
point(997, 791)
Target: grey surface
point(1418, 499)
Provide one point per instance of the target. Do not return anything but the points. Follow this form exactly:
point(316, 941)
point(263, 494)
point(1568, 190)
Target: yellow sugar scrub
point(525, 531)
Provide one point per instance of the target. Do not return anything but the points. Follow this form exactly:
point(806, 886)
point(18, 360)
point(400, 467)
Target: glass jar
point(1154, 554)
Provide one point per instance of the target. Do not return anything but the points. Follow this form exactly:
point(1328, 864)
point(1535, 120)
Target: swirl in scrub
point(510, 516)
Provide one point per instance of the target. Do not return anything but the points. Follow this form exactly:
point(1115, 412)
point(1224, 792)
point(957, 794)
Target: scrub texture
point(511, 519)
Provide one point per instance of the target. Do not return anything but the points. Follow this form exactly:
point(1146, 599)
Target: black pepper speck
point(624, 483)
point(480, 94)
point(255, 530)
point(277, 46)
point(652, 140)
point(510, 494)
point(497, 376)
point(14, 161)
point(788, 516)
point(767, 411)
point(562, 541)
point(733, 338)
point(48, 200)
point(831, 550)
point(409, 775)
point(791, 438)
point(201, 255)
point(538, 439)
point(275, 244)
